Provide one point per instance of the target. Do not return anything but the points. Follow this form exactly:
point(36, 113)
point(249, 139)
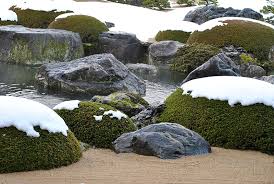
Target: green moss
point(19, 152)
point(238, 127)
point(7, 22)
point(88, 27)
point(192, 56)
point(21, 53)
point(253, 37)
point(36, 18)
point(175, 35)
point(96, 133)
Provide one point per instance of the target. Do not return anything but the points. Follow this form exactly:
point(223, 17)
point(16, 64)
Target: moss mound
point(7, 22)
point(100, 134)
point(253, 37)
point(36, 18)
point(179, 36)
point(88, 27)
point(19, 152)
point(190, 57)
point(238, 127)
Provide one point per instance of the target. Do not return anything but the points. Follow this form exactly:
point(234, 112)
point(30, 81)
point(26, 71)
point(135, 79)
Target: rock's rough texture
point(164, 140)
point(162, 53)
point(38, 46)
point(249, 70)
point(234, 53)
point(130, 104)
point(206, 13)
point(269, 79)
point(97, 74)
point(219, 65)
point(142, 68)
point(271, 54)
point(124, 46)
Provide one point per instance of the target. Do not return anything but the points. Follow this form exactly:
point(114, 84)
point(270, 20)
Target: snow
point(220, 22)
point(25, 114)
point(115, 114)
point(67, 105)
point(98, 118)
point(246, 91)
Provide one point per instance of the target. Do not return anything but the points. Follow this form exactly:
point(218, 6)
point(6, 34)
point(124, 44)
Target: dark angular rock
point(97, 74)
point(164, 140)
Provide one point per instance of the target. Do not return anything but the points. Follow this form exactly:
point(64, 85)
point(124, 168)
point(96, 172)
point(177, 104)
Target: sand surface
point(103, 166)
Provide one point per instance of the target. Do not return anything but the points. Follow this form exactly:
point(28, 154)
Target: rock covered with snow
point(246, 91)
point(26, 114)
point(97, 74)
point(206, 13)
point(124, 46)
point(164, 140)
point(38, 46)
point(219, 65)
point(161, 53)
point(67, 105)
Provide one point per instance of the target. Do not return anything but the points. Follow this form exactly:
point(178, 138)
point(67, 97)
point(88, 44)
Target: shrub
point(19, 152)
point(175, 35)
point(100, 134)
point(186, 2)
point(88, 27)
point(35, 18)
point(160, 4)
point(238, 127)
point(253, 37)
point(7, 22)
point(190, 57)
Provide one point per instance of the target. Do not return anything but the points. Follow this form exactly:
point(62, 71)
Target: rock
point(147, 116)
point(142, 68)
point(206, 13)
point(249, 70)
point(271, 54)
point(97, 74)
point(130, 104)
point(219, 65)
point(234, 53)
point(164, 140)
point(124, 46)
point(109, 24)
point(269, 79)
point(162, 53)
point(38, 46)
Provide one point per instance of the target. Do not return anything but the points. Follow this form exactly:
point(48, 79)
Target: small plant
point(246, 58)
point(175, 35)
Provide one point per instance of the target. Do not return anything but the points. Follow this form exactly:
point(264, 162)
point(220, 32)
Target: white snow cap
point(221, 22)
point(67, 105)
point(115, 114)
point(246, 91)
point(98, 118)
point(25, 114)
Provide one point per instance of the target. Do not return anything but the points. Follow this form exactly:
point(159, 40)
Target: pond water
point(19, 81)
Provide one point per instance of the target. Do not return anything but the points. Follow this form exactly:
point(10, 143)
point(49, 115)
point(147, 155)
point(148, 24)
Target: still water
point(19, 81)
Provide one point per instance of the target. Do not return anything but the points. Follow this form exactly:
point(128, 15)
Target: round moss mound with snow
point(33, 137)
point(95, 123)
point(229, 112)
point(175, 35)
point(252, 35)
point(88, 27)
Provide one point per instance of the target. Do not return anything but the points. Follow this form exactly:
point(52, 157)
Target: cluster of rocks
point(206, 13)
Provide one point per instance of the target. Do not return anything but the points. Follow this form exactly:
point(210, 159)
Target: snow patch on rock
point(98, 118)
point(115, 114)
point(25, 114)
point(68, 105)
point(246, 91)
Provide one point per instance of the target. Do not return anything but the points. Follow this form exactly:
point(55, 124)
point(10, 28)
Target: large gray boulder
point(97, 74)
point(250, 70)
point(219, 65)
point(141, 68)
point(206, 13)
point(38, 46)
point(164, 140)
point(124, 46)
point(269, 79)
point(162, 53)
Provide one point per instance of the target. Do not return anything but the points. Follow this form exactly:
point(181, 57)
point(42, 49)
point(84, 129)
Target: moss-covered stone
point(7, 22)
point(100, 134)
point(175, 35)
point(36, 18)
point(18, 152)
point(253, 37)
point(88, 27)
point(192, 56)
point(238, 127)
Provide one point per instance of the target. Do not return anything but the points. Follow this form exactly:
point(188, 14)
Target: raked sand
point(104, 166)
